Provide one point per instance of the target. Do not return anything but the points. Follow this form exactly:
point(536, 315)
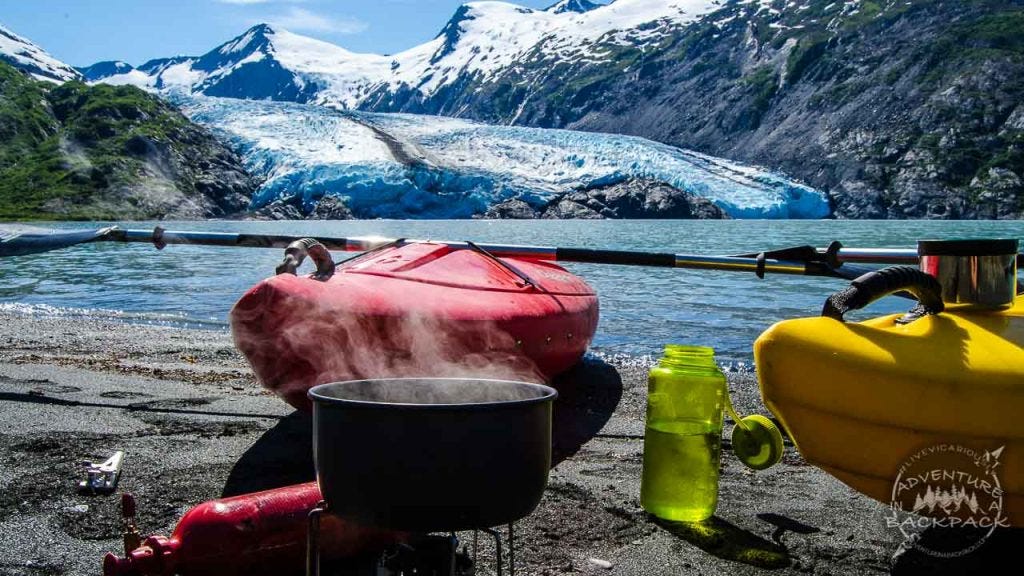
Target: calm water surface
point(641, 308)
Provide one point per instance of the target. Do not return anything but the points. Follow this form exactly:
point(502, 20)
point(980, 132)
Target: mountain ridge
point(23, 54)
point(109, 145)
point(909, 109)
point(934, 129)
point(479, 40)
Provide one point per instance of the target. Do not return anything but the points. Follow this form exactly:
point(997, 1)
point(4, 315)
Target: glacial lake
point(641, 308)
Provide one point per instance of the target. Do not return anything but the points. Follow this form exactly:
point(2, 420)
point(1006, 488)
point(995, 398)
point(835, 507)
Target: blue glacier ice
point(413, 166)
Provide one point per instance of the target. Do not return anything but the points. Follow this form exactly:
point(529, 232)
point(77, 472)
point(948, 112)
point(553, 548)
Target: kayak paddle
point(834, 261)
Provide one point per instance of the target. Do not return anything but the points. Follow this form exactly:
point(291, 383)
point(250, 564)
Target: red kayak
point(418, 309)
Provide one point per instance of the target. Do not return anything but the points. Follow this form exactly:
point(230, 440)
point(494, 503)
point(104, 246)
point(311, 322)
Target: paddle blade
point(18, 240)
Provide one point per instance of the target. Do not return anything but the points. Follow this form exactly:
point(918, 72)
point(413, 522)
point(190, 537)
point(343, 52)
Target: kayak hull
point(418, 310)
point(869, 401)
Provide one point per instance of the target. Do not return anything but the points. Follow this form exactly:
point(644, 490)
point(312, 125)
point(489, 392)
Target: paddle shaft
point(630, 258)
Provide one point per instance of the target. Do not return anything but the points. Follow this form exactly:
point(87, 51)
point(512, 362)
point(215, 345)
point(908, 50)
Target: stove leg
point(453, 545)
point(511, 551)
point(476, 533)
point(497, 547)
point(313, 540)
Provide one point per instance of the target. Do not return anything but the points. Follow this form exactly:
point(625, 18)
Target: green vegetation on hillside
point(87, 152)
point(30, 160)
point(762, 83)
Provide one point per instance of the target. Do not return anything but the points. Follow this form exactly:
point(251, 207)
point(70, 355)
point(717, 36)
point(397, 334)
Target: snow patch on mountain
point(484, 39)
point(103, 69)
point(24, 55)
point(440, 167)
point(572, 6)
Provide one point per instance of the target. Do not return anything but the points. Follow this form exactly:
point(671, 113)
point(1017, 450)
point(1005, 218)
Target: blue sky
point(82, 32)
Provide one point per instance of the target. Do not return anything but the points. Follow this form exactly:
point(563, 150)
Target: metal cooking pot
point(432, 454)
point(978, 272)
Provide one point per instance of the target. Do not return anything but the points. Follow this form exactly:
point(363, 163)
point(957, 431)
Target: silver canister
point(977, 272)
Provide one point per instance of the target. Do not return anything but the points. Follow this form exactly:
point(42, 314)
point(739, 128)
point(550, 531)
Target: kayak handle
point(865, 289)
point(297, 251)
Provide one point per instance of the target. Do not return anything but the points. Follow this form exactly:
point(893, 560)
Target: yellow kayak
point(882, 406)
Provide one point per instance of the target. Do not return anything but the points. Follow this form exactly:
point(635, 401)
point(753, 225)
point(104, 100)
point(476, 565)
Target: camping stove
point(422, 554)
point(428, 456)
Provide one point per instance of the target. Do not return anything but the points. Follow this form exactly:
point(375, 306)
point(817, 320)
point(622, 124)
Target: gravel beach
point(194, 426)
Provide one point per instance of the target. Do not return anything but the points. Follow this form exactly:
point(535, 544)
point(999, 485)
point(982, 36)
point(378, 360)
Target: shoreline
point(608, 354)
point(194, 425)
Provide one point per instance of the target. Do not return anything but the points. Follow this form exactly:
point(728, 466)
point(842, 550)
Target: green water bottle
point(682, 441)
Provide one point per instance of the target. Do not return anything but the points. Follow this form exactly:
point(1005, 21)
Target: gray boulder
point(633, 198)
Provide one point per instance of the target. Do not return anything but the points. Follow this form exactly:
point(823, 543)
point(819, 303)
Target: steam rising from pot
point(292, 350)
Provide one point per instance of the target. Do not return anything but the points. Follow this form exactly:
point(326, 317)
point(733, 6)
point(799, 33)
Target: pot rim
point(319, 400)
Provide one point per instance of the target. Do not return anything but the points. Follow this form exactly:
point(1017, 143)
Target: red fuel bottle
point(258, 533)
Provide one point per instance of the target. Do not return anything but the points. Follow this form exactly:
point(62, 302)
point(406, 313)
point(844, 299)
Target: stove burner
point(426, 555)
point(419, 554)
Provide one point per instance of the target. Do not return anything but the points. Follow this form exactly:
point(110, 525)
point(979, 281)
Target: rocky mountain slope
point(103, 152)
point(897, 108)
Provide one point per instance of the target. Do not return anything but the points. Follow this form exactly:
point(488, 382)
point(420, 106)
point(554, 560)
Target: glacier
point(416, 166)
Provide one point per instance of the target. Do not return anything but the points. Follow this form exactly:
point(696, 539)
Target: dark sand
point(184, 407)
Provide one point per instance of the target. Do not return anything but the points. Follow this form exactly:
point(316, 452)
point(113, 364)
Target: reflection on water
point(641, 308)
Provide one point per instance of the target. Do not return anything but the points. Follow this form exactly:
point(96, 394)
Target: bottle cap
point(757, 442)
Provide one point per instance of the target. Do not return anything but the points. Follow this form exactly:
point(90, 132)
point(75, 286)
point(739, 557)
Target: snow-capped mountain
point(24, 55)
point(263, 63)
point(887, 106)
point(481, 42)
point(417, 166)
